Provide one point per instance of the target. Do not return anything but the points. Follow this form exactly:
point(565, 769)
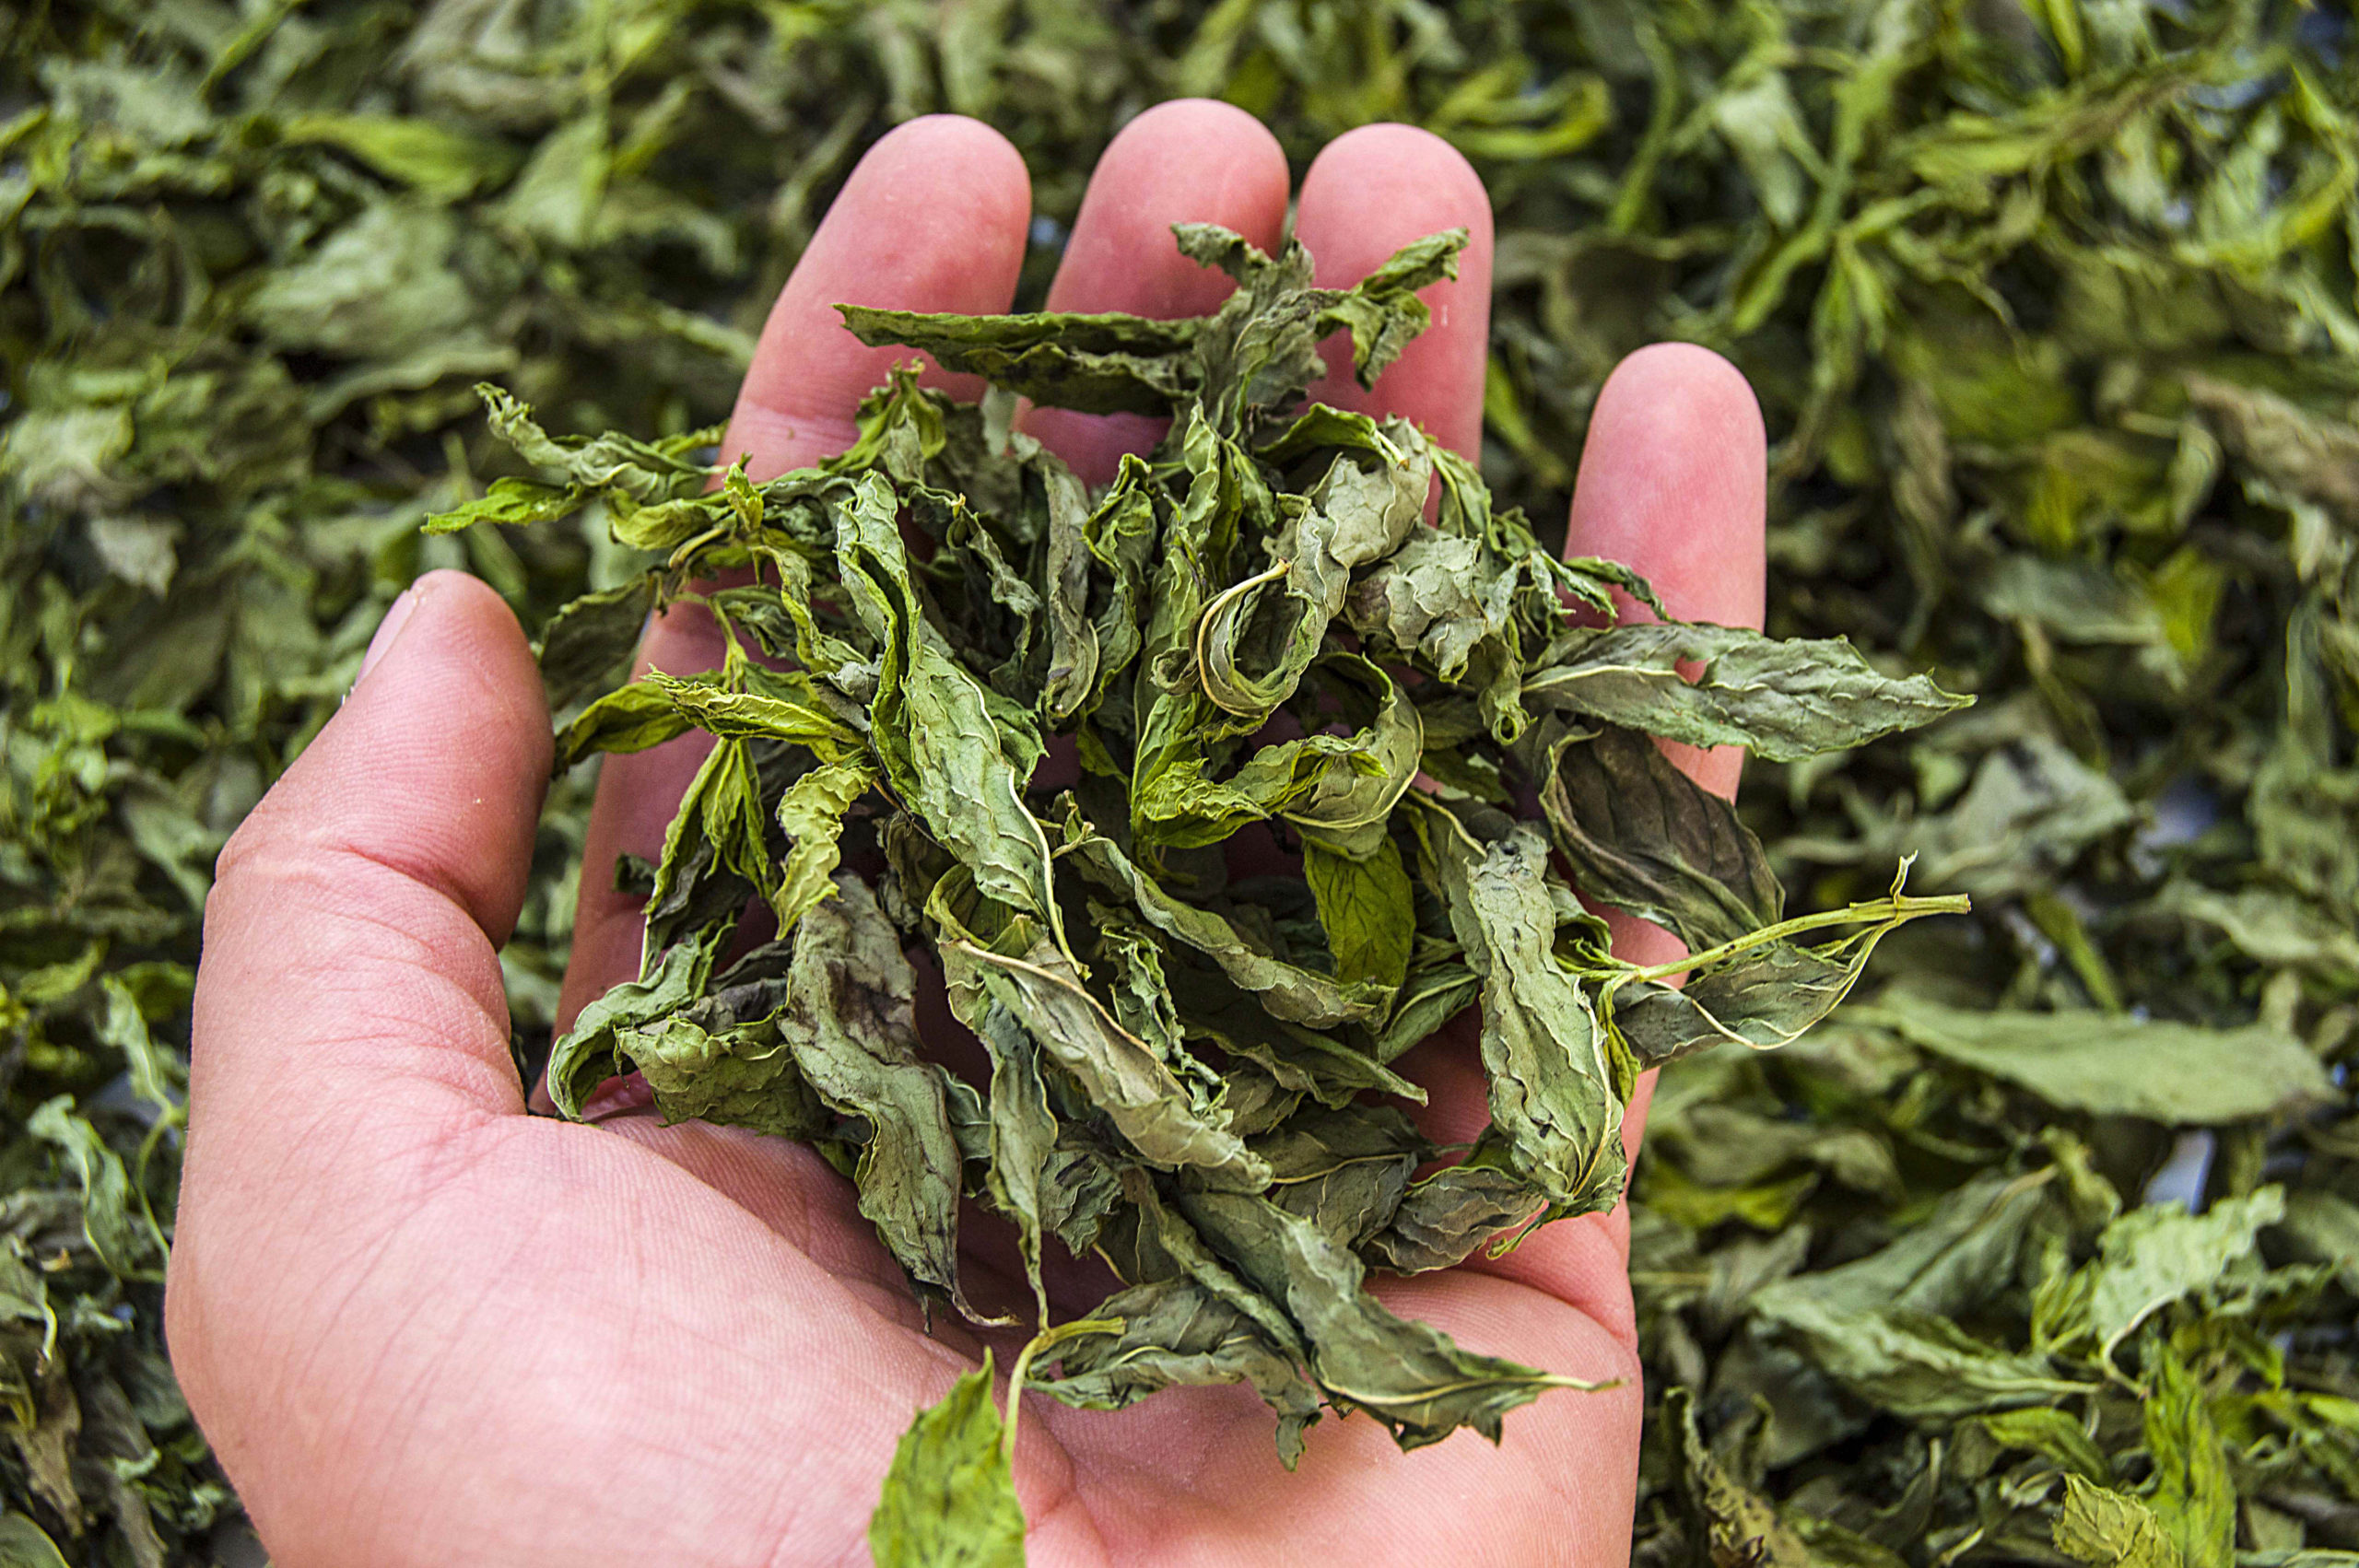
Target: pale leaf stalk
point(1045, 1340)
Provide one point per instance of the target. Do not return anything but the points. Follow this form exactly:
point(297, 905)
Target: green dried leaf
point(720, 832)
point(126, 1245)
point(1885, 1325)
point(2031, 811)
point(1290, 991)
point(2175, 1073)
point(786, 707)
point(1918, 1364)
point(2160, 1254)
point(1343, 1169)
point(949, 1498)
point(1740, 1527)
point(638, 470)
point(2112, 1529)
point(2053, 1434)
point(937, 737)
point(1118, 1071)
point(1023, 1134)
point(811, 813)
point(1783, 700)
point(2195, 1496)
point(434, 158)
point(2269, 927)
point(389, 279)
point(583, 643)
point(1366, 907)
point(24, 1545)
point(2314, 458)
point(629, 719)
point(1103, 364)
point(1642, 836)
point(2325, 1227)
point(1407, 1374)
point(850, 1024)
point(512, 502)
point(1555, 1101)
point(1442, 1219)
point(1176, 1334)
point(588, 1054)
point(1759, 988)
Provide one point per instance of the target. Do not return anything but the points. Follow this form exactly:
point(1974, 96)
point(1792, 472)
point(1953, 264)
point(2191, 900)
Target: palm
point(775, 1333)
point(441, 1330)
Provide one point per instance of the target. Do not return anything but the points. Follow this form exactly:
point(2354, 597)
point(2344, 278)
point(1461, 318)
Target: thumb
point(350, 973)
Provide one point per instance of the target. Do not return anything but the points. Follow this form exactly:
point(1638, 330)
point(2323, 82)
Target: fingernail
point(387, 631)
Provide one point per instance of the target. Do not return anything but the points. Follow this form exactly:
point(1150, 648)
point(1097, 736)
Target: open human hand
point(421, 1325)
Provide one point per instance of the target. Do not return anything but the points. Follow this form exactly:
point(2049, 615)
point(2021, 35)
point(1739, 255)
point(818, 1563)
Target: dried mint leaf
point(950, 1497)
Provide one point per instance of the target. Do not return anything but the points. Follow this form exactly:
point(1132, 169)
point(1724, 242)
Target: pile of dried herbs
point(2051, 308)
point(1303, 721)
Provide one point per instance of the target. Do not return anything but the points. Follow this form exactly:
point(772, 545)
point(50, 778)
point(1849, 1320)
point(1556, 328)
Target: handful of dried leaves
point(1324, 752)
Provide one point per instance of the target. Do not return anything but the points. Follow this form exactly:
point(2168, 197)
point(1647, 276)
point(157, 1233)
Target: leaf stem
point(1894, 910)
point(1044, 1339)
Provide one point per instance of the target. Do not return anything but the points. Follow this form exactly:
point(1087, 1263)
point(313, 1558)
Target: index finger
point(934, 219)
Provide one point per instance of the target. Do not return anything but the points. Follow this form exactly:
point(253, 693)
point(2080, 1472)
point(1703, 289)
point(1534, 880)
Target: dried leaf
point(950, 1497)
point(2176, 1073)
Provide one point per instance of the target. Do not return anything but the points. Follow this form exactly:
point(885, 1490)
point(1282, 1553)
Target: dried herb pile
point(2051, 312)
point(1303, 721)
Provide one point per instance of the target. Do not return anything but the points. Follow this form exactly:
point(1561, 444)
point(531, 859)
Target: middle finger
point(931, 219)
point(1188, 161)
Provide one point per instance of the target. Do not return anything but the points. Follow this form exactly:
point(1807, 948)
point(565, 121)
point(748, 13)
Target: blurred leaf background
point(2046, 1250)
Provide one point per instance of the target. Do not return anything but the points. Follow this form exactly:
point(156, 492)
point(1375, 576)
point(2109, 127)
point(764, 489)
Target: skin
point(421, 1327)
